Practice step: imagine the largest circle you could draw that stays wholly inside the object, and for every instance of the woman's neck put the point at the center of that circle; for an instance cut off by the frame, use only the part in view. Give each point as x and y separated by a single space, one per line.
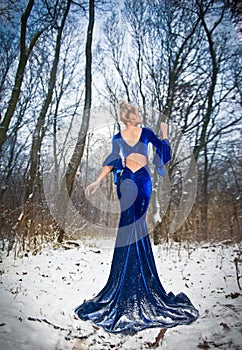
130 126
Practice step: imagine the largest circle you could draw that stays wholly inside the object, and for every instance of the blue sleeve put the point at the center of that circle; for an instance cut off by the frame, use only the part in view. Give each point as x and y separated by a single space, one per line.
114 159
162 154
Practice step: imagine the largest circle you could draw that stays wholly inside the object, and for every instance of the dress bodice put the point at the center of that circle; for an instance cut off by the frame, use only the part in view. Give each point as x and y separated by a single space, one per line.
141 146
161 156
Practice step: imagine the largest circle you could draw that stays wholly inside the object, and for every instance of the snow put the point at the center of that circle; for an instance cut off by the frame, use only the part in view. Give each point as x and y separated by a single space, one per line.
39 293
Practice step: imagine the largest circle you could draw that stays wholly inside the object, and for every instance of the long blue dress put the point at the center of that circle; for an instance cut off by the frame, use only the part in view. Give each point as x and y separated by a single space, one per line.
133 297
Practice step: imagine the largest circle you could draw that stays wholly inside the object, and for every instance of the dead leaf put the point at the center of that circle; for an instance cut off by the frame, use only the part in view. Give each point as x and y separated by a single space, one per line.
204 345
95 327
225 326
233 295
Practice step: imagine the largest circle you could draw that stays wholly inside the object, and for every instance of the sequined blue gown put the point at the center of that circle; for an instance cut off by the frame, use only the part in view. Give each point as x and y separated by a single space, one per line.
133 298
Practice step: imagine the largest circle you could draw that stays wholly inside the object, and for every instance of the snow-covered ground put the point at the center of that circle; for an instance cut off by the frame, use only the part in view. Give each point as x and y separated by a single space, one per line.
38 295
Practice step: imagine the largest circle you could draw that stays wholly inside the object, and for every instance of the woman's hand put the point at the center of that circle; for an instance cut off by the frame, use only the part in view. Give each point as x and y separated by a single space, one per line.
164 130
93 186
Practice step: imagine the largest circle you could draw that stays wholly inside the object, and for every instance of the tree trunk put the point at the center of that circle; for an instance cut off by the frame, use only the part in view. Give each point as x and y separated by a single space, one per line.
24 55
204 197
68 179
201 143
32 176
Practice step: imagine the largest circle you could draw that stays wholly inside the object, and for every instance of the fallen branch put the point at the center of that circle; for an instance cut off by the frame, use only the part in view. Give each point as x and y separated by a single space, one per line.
159 337
69 335
238 276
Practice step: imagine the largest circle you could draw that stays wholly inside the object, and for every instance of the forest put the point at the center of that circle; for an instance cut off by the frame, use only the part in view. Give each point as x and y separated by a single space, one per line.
64 67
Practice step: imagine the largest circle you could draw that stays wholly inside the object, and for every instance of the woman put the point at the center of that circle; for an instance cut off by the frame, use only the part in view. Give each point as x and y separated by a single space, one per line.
133 297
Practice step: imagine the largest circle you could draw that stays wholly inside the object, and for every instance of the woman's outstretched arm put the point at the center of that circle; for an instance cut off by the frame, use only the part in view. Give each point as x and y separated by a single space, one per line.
94 185
164 130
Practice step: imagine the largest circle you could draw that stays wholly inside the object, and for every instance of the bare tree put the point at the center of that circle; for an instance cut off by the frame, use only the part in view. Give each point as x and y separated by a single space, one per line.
25 51
69 177
39 131
180 55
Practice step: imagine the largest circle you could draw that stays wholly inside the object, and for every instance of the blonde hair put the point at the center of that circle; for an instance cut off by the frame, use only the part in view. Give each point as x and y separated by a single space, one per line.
125 110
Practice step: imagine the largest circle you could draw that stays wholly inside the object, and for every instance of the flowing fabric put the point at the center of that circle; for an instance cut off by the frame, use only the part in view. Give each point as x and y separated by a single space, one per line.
133 298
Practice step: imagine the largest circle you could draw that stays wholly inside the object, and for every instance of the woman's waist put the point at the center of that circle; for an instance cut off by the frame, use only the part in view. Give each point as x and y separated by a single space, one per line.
142 172
135 161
